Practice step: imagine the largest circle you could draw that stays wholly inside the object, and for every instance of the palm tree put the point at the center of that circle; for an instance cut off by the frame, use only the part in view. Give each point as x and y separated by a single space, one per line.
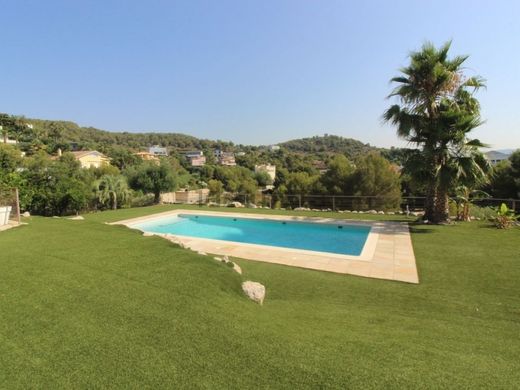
111 190
437 111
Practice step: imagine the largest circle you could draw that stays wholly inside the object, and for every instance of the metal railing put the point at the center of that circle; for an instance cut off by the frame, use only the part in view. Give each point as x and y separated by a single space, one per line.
340 202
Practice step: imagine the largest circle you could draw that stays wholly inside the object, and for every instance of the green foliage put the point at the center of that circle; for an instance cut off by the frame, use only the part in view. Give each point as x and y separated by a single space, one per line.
112 191
263 179
300 183
215 187
338 178
437 112
327 144
10 159
152 178
55 187
505 217
375 176
464 197
122 157
505 180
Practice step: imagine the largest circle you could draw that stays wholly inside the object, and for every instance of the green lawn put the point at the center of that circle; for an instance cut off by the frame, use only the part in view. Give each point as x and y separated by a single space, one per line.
85 304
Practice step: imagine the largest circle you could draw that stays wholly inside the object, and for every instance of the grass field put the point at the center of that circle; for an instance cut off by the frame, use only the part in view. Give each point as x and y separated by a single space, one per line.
85 304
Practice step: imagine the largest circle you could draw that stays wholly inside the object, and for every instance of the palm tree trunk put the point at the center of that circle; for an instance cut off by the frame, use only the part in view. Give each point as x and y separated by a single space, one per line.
441 213
429 203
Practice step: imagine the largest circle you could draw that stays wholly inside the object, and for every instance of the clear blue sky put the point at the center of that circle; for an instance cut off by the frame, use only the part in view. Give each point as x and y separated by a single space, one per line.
255 72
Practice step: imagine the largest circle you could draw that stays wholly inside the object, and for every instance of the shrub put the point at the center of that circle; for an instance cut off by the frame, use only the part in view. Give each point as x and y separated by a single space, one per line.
505 217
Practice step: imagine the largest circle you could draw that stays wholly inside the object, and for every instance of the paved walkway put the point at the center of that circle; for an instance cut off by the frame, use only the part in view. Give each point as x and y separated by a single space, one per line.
10 225
387 254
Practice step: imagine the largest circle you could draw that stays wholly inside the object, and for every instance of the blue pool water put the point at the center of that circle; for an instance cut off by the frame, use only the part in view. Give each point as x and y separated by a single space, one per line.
347 240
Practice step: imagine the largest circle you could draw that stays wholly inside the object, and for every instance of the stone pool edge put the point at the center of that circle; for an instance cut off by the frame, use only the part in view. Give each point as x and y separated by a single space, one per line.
387 254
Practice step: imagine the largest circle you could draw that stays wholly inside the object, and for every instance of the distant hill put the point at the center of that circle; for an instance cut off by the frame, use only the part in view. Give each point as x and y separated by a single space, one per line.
67 134
328 144
90 137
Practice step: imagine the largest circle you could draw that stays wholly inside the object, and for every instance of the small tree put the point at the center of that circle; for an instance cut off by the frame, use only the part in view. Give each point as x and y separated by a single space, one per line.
152 178
375 176
215 188
112 190
337 179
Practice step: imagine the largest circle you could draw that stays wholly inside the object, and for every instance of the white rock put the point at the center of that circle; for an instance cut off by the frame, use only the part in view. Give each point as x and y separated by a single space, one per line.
235 204
26 214
391 213
254 291
252 206
217 258
237 268
147 234
226 258
381 212
77 218
202 253
372 212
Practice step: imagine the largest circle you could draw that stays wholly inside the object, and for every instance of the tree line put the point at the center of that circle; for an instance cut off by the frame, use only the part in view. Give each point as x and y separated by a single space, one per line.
436 111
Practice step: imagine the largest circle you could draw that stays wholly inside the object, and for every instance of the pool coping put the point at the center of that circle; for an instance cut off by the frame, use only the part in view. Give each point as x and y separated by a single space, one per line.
387 253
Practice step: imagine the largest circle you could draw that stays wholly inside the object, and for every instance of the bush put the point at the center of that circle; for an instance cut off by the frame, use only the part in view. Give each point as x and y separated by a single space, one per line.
140 200
505 217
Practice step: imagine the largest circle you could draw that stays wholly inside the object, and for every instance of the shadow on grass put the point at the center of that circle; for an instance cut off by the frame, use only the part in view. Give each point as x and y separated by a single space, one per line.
419 228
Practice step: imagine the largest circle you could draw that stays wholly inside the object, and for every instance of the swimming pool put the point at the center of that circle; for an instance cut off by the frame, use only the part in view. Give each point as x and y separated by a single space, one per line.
336 238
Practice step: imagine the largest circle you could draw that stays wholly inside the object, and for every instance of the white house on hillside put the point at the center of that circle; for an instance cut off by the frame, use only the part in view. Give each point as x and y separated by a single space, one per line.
157 150
267 168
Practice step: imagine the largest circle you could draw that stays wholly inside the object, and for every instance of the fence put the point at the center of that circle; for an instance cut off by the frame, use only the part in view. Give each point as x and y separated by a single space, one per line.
321 202
341 202
9 206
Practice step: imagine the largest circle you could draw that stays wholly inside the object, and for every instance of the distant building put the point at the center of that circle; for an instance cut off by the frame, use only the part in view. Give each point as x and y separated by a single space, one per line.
320 166
147 156
494 157
267 168
273 148
90 158
240 154
158 151
10 141
225 158
196 153
196 158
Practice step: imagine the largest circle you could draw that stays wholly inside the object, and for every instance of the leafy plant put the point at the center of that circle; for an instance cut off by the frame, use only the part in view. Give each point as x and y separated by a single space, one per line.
463 199
505 217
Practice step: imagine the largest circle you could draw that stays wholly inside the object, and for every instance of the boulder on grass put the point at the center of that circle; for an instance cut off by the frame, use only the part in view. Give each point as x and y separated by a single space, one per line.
237 268
26 214
254 291
77 218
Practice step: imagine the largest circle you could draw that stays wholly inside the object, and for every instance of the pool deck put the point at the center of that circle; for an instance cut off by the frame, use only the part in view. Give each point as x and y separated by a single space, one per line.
387 254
